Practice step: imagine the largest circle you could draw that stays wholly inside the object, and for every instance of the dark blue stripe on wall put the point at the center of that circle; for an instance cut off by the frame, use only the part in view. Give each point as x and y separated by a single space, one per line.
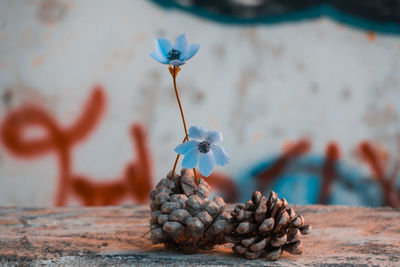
292 16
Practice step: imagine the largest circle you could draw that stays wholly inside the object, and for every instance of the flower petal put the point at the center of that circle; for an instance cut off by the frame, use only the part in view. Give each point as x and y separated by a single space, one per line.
190 51
206 164
197 132
191 159
176 62
220 156
214 136
163 46
159 58
181 43
187 147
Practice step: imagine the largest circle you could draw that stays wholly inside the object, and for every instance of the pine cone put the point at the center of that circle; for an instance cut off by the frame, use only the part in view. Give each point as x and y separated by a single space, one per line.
266 228
182 217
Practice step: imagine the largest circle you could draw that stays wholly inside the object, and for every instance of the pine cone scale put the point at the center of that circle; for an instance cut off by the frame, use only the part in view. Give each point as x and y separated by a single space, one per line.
266 226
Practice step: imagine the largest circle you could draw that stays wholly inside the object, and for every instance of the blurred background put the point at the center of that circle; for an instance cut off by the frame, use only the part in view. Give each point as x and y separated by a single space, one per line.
306 93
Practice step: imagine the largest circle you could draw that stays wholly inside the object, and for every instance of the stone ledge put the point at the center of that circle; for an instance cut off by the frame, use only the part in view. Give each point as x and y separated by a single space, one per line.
119 235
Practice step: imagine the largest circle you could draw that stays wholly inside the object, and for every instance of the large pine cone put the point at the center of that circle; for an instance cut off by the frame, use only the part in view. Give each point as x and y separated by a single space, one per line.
266 227
183 218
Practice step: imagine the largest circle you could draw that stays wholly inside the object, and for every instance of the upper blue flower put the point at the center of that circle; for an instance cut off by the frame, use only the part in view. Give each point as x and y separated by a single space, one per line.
203 149
178 55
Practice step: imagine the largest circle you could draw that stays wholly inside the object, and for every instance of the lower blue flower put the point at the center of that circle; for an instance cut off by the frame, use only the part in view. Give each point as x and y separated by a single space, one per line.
203 149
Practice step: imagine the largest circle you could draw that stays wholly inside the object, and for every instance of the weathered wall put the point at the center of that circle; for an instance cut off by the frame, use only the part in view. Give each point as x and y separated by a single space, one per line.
261 85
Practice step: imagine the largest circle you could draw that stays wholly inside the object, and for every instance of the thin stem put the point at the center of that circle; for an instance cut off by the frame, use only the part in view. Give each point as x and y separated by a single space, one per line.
179 101
174 73
176 160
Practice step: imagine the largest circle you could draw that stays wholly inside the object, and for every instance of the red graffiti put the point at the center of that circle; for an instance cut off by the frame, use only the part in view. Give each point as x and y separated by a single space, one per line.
291 152
332 155
376 158
135 182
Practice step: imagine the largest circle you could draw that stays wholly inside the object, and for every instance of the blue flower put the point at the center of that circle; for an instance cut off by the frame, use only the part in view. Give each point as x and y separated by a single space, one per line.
178 55
203 149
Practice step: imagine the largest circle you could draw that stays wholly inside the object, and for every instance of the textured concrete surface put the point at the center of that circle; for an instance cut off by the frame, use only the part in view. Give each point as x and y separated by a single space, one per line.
118 235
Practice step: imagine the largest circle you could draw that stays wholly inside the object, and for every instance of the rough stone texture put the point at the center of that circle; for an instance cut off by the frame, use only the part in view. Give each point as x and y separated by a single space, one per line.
118 235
